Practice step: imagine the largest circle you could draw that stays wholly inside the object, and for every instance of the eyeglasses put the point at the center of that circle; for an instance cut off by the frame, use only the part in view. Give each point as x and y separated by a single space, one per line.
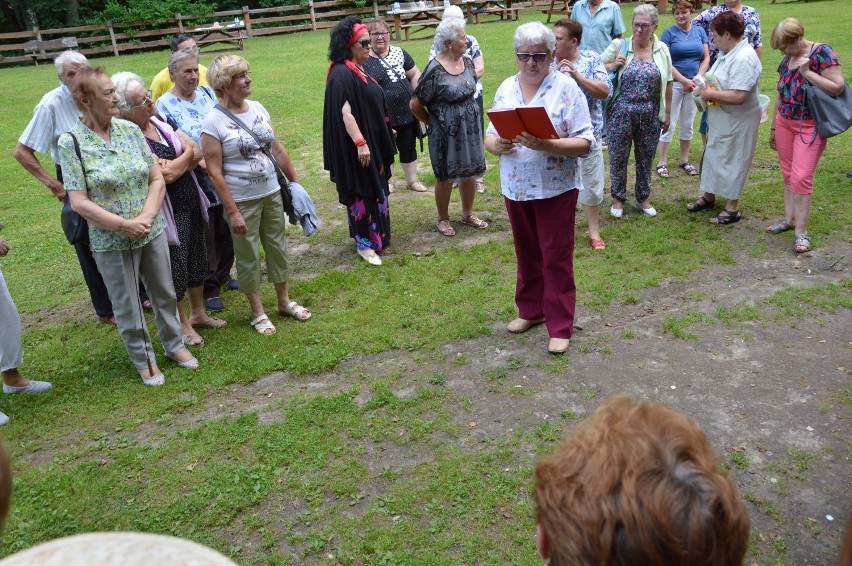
380 34
147 102
537 57
643 26
365 43
243 76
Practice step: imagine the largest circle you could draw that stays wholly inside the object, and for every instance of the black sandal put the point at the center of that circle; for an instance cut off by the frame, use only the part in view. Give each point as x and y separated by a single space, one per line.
700 204
727 217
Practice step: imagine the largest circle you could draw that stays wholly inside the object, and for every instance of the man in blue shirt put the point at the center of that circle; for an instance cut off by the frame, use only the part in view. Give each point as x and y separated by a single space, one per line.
602 22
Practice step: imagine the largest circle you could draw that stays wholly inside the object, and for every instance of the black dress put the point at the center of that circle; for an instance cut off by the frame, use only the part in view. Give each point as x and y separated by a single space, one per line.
456 145
363 190
189 258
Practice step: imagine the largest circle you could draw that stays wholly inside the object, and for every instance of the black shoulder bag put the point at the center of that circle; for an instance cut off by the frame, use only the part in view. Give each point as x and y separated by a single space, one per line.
283 181
75 226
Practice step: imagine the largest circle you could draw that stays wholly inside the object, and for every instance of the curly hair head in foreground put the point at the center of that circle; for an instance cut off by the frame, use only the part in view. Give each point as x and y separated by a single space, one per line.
637 483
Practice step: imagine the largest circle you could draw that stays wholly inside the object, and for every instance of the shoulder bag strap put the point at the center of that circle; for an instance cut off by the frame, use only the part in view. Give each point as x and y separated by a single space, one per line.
80 157
262 147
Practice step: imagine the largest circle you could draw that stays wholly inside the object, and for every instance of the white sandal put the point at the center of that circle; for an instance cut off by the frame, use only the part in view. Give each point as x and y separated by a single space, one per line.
262 324
297 311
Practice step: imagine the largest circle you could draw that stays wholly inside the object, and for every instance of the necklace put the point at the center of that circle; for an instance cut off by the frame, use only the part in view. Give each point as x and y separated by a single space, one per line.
687 33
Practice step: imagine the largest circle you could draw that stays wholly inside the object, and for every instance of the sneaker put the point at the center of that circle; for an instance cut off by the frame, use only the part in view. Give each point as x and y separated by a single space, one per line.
214 304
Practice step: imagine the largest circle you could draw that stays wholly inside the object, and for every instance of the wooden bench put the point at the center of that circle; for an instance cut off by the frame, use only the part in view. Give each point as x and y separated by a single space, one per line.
558 8
50 49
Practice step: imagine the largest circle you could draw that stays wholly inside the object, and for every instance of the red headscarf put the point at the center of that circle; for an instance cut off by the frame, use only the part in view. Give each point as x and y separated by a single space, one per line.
357 29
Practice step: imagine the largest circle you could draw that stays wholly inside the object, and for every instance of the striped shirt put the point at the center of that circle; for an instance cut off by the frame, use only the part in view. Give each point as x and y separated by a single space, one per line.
52 117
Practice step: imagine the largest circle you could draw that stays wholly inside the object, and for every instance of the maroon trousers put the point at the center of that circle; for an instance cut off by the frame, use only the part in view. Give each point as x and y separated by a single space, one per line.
543 231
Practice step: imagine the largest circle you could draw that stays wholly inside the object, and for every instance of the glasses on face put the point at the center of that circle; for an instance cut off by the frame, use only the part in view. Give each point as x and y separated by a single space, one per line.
365 43
537 57
380 34
642 26
147 102
243 76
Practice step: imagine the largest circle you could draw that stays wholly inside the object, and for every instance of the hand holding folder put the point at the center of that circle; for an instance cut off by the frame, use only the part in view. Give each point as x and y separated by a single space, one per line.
511 122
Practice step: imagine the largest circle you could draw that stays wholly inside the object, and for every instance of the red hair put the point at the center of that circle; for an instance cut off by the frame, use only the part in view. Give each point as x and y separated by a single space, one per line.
637 483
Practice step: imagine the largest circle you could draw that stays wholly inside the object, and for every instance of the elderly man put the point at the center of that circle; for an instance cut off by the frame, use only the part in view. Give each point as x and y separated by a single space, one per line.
602 22
52 117
162 82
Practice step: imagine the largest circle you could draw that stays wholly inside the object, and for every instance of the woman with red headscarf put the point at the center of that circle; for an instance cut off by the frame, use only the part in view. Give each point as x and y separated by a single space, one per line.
358 148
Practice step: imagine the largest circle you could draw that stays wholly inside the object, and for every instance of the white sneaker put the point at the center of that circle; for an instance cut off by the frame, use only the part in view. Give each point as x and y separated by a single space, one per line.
649 212
4 419
616 212
370 257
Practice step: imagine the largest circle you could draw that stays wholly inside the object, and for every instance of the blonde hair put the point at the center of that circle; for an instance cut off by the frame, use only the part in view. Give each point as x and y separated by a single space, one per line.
222 71
787 32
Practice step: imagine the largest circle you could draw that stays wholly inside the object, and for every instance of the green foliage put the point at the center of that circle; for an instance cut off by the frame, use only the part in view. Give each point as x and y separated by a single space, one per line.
153 11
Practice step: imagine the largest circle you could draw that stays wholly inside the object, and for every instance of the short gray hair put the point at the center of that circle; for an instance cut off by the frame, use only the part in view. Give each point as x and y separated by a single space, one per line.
179 56
647 10
69 57
452 12
124 83
534 33
447 30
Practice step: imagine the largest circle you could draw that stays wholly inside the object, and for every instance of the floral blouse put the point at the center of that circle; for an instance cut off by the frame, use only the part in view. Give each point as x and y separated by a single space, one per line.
591 66
791 83
750 17
116 177
528 174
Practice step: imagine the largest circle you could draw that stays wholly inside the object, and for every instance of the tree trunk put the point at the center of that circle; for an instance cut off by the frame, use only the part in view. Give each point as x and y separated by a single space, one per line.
73 12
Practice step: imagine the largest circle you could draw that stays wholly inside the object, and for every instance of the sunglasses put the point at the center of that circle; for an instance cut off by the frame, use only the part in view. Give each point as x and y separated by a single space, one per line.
537 57
365 43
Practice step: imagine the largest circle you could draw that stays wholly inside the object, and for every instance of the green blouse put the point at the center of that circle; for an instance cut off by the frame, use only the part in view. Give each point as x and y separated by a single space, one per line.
116 178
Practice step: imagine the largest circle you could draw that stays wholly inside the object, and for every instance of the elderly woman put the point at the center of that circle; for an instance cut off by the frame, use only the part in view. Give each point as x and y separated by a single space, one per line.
360 162
444 98
11 346
246 182
114 182
187 104
751 20
793 132
690 53
733 119
474 53
541 180
640 107
397 74
177 156
587 69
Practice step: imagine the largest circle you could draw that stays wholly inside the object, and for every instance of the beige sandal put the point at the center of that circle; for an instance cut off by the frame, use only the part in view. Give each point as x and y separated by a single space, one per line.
472 220
445 228
417 187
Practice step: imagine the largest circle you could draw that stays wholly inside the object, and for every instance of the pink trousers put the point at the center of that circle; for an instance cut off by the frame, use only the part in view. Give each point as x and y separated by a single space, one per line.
797 153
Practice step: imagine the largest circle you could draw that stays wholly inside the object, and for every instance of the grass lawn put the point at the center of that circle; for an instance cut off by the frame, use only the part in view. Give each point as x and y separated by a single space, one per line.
352 470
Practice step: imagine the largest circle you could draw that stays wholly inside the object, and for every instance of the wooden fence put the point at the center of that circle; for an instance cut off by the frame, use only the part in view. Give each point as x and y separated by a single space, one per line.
115 39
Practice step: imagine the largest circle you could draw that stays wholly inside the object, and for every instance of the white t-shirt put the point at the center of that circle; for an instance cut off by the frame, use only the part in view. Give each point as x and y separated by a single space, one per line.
247 170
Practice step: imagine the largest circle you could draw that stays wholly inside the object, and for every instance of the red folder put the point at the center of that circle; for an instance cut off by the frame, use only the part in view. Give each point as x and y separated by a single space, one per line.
510 122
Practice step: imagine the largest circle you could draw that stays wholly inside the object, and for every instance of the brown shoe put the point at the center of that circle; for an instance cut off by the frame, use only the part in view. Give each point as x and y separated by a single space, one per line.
522 325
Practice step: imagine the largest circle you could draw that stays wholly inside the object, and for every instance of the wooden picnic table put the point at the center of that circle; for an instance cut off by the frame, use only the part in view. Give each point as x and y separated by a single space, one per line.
476 8
417 15
231 34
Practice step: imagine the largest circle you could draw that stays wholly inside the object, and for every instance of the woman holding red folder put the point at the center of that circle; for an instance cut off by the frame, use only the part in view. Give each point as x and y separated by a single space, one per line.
540 181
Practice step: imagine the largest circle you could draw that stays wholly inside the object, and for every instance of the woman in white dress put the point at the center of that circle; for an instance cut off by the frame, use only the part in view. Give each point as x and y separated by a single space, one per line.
733 117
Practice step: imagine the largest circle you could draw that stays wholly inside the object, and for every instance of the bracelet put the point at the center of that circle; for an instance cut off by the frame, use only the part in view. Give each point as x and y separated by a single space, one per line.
360 142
